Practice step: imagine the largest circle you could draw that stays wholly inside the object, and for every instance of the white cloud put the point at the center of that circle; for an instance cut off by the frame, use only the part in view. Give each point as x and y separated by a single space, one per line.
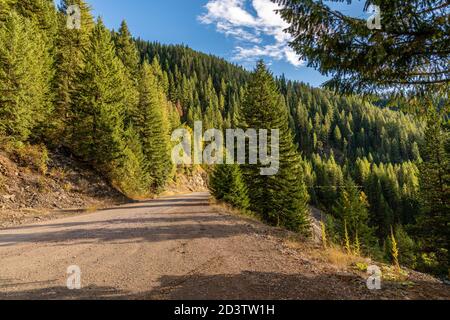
252 31
238 33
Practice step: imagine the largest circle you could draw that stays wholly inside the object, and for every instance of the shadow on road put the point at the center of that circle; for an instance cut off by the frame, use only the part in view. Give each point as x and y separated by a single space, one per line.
132 234
191 218
246 286
170 219
188 227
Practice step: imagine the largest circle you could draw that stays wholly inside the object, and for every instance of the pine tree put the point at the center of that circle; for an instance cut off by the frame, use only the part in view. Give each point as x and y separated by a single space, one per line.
100 103
68 62
362 59
394 250
337 136
5 8
95 97
131 175
127 50
281 199
171 110
406 248
432 227
347 244
42 13
352 210
380 212
154 128
24 77
227 184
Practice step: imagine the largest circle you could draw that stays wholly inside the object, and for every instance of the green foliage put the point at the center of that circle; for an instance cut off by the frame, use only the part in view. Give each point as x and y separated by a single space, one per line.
361 59
357 245
352 211
428 262
5 8
92 88
42 13
405 248
154 128
394 250
69 60
24 78
208 89
361 266
432 228
132 174
127 50
193 81
226 183
280 199
99 103
328 178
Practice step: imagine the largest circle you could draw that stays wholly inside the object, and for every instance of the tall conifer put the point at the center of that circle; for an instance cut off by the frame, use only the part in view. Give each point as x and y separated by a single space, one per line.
68 62
226 183
154 128
24 77
127 52
100 102
281 199
433 225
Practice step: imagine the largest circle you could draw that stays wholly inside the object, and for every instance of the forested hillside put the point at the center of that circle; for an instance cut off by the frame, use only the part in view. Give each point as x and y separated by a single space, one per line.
113 101
351 147
346 142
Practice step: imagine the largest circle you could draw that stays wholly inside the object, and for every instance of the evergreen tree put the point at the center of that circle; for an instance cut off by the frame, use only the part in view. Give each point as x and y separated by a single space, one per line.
433 225
127 53
352 209
42 13
68 62
100 103
407 250
24 77
5 8
363 59
153 125
280 199
226 183
127 50
132 175
173 113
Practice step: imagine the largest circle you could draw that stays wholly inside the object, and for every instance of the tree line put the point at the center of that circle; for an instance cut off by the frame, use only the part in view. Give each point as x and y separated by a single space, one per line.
113 101
86 90
362 152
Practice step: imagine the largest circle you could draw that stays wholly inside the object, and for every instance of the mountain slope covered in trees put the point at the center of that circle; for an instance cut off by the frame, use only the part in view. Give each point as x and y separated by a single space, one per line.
113 101
345 141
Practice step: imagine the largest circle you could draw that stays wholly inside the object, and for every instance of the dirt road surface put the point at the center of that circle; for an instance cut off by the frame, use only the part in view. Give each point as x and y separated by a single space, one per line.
172 248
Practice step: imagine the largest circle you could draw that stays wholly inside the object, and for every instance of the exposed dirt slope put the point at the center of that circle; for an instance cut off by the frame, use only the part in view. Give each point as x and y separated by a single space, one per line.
179 248
27 194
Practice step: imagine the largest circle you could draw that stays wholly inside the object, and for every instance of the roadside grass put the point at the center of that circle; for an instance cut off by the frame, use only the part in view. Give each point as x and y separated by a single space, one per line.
91 209
332 255
224 207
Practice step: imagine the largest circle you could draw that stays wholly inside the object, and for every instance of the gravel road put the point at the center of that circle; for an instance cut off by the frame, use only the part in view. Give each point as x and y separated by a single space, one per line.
172 248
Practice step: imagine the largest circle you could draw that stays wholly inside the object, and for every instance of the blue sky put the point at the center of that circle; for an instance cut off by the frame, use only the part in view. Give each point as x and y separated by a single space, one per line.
241 31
